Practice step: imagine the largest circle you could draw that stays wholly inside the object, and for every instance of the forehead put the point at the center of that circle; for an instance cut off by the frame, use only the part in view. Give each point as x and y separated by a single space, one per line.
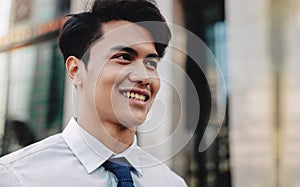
123 33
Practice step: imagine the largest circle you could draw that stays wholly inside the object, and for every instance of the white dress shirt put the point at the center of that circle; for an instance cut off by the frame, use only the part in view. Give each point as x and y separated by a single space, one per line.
74 158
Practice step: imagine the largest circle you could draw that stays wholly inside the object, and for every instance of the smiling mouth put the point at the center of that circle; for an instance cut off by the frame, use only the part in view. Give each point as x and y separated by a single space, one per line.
135 96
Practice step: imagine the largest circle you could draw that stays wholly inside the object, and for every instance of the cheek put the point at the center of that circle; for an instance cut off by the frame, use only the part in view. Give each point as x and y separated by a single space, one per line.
104 90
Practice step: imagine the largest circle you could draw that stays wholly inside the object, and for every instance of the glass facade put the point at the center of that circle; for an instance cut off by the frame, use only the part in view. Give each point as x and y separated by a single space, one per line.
34 91
210 168
32 75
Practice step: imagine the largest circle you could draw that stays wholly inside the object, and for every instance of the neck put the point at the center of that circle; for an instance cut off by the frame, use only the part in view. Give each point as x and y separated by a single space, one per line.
116 137
113 135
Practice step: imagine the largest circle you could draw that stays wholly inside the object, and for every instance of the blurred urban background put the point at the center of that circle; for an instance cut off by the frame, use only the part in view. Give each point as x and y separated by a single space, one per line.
256 44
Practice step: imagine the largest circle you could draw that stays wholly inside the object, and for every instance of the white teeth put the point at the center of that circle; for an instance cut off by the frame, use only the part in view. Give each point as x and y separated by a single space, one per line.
137 96
132 95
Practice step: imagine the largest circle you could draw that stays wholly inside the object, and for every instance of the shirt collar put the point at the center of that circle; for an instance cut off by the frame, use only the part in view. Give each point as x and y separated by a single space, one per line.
92 153
132 155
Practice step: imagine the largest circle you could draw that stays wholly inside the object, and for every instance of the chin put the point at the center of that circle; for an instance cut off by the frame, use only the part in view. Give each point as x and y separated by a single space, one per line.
133 123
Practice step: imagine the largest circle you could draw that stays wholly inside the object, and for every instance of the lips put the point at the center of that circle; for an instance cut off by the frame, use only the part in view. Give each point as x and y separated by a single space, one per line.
136 94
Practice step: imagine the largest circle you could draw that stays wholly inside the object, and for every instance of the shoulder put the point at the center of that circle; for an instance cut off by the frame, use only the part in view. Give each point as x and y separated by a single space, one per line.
155 168
13 163
33 150
170 176
8 178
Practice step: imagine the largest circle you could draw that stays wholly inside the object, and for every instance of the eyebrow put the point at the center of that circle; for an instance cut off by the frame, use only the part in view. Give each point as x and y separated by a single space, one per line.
133 51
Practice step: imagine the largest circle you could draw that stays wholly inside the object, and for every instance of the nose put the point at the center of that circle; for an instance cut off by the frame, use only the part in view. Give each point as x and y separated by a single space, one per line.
139 73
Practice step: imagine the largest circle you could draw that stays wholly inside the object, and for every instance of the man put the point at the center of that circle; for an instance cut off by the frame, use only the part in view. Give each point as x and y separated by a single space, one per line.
111 55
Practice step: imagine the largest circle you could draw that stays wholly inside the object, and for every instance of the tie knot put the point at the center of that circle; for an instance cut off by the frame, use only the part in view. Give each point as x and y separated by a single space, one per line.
121 169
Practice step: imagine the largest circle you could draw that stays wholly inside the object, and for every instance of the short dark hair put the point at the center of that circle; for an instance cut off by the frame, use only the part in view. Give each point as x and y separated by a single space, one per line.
83 29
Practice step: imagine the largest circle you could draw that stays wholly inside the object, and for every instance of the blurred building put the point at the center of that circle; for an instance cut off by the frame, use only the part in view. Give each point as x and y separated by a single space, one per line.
32 73
256 45
263 61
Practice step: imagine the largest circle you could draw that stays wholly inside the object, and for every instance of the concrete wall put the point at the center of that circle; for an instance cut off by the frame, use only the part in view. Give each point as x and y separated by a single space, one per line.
251 91
263 43
289 153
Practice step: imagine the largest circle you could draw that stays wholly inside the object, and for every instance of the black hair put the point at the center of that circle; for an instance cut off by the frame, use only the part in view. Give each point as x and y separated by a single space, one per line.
81 30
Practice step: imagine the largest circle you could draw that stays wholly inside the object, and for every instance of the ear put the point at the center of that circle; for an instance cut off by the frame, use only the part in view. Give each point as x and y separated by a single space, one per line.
73 67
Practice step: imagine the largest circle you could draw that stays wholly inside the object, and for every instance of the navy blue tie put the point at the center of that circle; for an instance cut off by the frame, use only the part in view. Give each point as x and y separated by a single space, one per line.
121 169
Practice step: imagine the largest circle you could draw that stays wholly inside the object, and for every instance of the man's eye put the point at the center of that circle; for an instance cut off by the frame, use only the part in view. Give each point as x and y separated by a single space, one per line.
126 57
151 63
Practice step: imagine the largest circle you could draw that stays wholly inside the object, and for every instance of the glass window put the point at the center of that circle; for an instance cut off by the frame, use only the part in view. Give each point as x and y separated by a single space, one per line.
35 95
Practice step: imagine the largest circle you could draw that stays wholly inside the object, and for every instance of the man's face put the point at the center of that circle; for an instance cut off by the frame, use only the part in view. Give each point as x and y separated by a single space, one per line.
121 80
